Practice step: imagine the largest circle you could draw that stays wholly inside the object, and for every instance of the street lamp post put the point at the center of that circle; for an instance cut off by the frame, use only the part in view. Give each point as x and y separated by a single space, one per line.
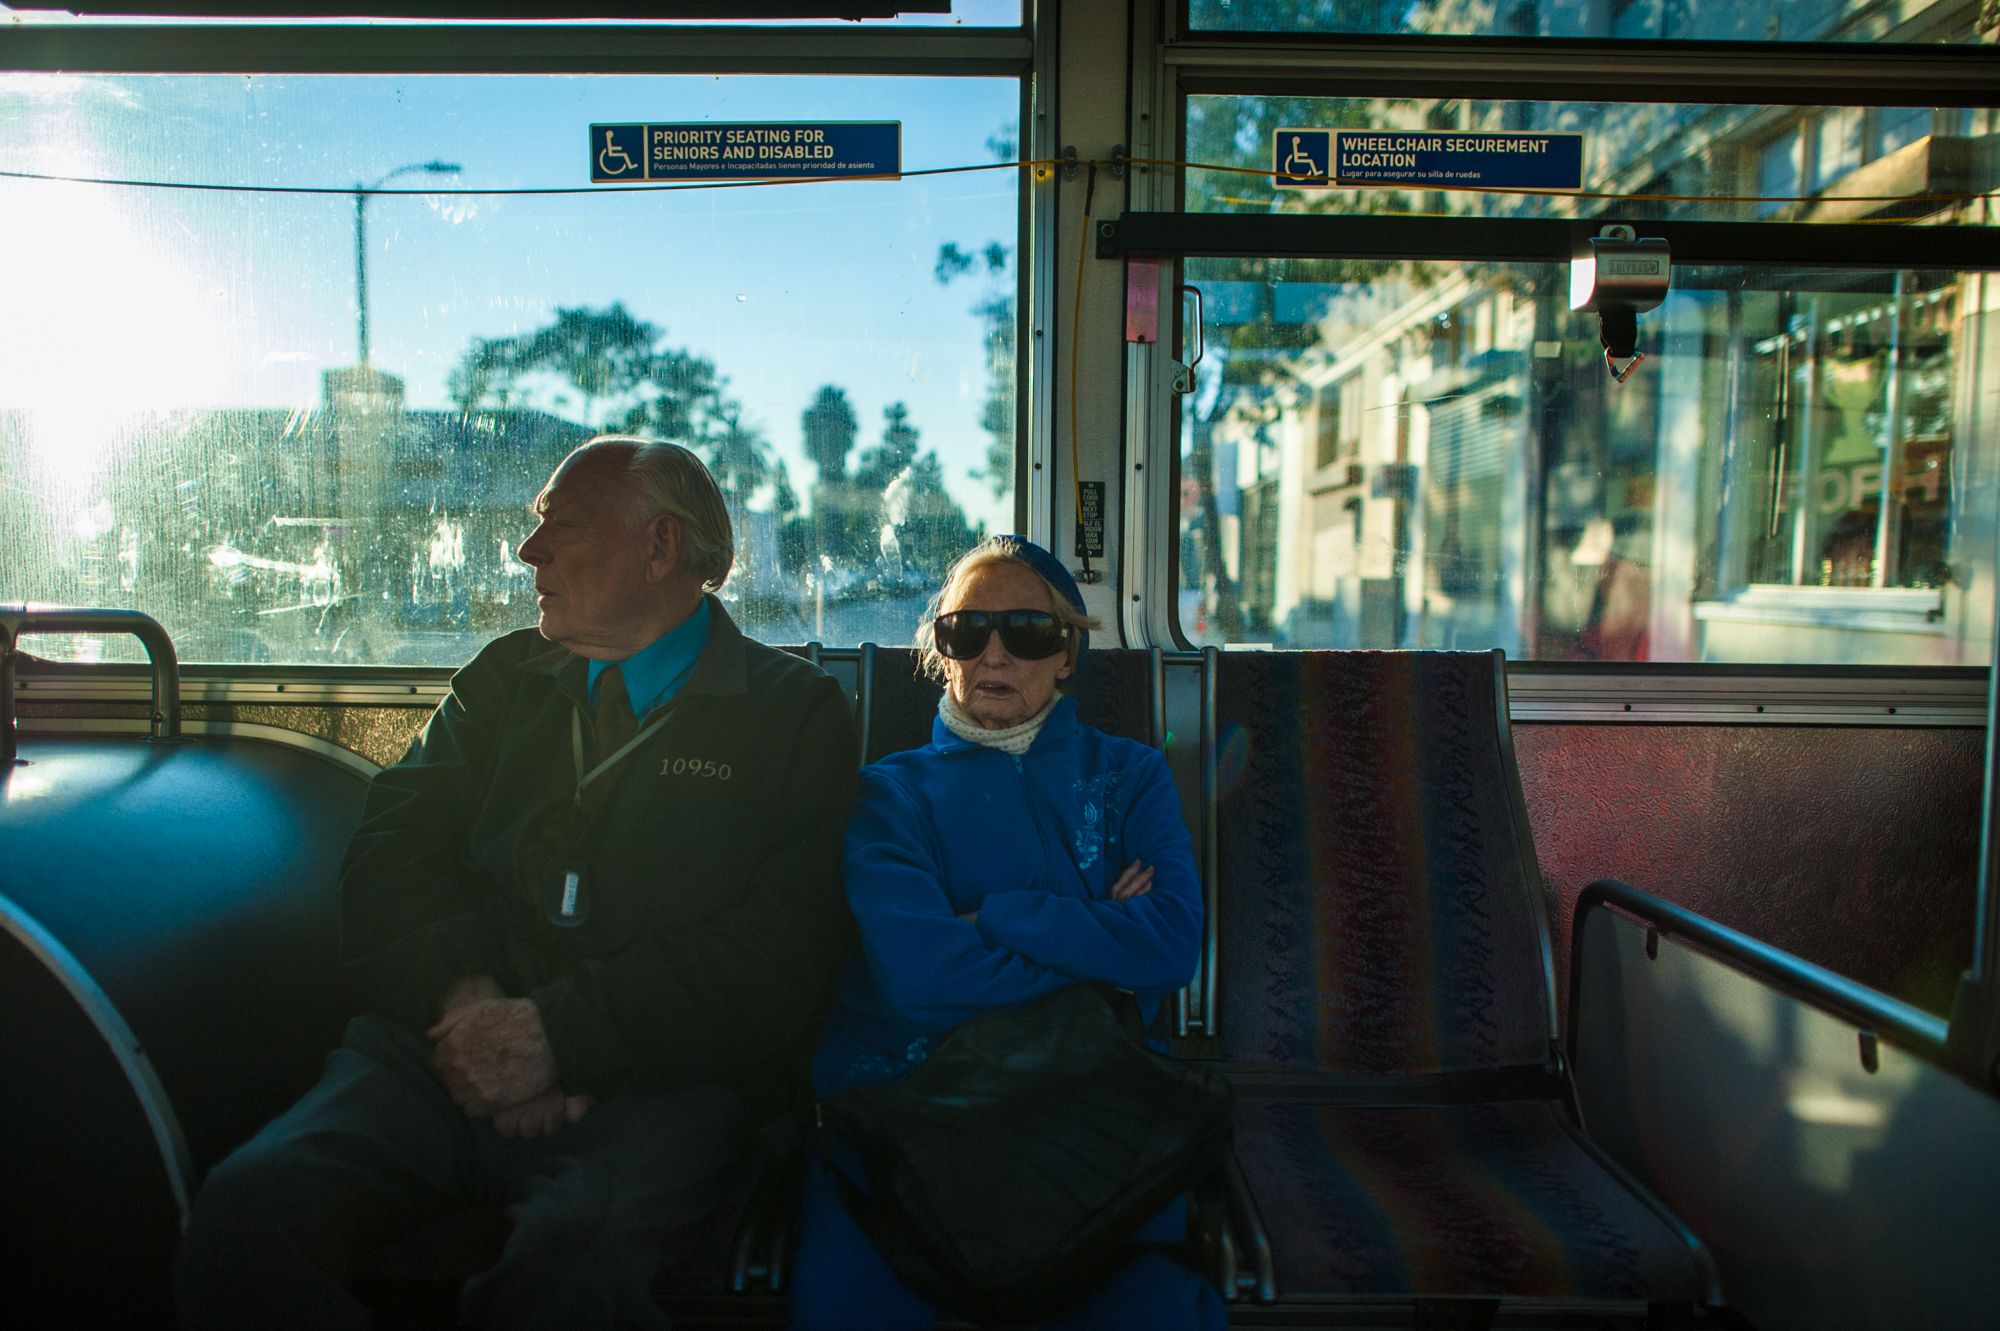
361 193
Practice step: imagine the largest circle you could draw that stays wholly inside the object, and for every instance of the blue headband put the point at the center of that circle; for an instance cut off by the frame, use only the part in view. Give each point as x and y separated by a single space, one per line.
1057 576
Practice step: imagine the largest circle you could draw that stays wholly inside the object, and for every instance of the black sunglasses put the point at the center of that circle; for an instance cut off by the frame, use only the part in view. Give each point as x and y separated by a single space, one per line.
1029 635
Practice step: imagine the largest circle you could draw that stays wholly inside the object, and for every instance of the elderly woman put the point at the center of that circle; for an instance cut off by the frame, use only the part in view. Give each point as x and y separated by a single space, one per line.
1017 853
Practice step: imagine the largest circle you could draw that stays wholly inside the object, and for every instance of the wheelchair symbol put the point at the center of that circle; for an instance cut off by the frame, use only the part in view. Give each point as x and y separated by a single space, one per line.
1299 162
614 152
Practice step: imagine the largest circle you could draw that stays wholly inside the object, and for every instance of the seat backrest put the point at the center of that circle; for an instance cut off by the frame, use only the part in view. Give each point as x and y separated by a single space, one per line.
902 702
100 1197
1112 692
1381 910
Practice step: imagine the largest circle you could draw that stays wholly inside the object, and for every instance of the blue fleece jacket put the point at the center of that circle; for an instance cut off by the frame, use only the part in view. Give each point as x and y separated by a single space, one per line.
1033 844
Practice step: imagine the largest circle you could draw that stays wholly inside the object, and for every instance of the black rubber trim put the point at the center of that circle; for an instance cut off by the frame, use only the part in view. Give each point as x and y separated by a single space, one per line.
1789 245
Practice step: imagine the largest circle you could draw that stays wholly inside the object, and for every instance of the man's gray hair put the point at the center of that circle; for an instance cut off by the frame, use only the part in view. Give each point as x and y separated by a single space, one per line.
668 478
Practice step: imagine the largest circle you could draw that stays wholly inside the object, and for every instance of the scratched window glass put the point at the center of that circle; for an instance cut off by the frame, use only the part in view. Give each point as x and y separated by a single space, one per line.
1417 455
306 427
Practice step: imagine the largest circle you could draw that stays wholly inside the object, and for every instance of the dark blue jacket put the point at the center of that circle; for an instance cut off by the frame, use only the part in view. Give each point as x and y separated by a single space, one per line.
1033 844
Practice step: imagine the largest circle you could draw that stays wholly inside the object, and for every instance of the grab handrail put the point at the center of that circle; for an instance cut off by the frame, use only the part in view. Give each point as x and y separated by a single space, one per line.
19 620
1912 1029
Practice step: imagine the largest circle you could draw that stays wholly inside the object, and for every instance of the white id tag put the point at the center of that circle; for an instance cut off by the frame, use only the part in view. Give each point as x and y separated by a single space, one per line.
566 894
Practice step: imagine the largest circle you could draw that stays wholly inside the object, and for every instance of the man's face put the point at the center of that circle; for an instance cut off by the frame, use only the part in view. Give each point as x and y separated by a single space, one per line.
590 558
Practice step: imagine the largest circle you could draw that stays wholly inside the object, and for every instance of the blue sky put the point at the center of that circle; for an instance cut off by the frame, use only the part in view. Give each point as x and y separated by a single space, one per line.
131 300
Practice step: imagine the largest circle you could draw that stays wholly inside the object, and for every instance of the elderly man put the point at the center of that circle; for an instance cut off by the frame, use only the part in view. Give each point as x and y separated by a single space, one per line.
591 914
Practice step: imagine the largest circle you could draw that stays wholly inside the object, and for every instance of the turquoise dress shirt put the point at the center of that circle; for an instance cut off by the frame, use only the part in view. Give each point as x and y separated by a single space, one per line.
657 671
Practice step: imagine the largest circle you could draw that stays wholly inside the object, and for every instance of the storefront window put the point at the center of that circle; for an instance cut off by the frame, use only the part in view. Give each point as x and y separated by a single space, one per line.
199 420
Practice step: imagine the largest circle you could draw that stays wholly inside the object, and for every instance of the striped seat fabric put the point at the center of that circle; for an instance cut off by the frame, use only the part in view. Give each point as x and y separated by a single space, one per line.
1380 903
1385 969
1464 1201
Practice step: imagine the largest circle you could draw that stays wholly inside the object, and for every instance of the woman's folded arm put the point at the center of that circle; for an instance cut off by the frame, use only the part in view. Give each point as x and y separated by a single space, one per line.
1148 943
935 968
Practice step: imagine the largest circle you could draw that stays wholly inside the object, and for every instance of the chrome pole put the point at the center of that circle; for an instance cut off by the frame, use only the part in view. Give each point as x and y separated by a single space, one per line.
1972 1044
1210 851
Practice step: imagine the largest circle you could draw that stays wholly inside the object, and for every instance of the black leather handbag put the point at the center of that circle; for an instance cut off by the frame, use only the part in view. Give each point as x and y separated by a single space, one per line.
1008 1173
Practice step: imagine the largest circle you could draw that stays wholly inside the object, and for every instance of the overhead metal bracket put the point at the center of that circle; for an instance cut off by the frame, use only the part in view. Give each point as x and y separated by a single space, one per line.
1109 242
1118 161
1069 162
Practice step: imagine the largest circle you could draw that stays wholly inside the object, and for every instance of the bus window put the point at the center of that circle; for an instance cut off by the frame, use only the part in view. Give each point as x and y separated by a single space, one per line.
1782 481
202 418
1418 453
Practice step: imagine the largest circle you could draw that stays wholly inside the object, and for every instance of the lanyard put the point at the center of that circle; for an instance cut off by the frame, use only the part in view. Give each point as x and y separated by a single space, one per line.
576 747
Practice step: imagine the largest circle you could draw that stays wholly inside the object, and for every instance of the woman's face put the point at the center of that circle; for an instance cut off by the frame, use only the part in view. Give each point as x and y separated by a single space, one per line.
995 688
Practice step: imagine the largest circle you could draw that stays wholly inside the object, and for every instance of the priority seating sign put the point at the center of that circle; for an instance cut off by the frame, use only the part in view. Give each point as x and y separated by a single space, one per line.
748 150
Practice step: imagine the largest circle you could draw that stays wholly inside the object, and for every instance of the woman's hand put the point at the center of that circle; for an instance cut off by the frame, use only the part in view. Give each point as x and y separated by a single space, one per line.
1136 881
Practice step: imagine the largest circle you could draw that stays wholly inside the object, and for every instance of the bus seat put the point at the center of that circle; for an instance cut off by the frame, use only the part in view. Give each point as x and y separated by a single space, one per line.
96 1180
1491 1199
900 702
1117 690
1388 1005
1111 689
195 880
171 981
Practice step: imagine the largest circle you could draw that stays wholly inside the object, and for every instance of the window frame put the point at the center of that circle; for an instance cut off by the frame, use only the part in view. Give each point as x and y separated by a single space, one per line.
1917 32
1521 68
509 48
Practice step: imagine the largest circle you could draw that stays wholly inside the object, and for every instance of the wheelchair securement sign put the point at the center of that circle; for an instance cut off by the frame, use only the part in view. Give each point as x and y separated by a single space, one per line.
617 152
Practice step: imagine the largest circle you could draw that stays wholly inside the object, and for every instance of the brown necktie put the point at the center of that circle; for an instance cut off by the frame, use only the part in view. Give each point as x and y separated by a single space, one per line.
612 724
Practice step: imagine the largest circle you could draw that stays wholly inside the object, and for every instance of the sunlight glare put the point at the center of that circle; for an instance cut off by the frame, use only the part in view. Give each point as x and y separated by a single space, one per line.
121 329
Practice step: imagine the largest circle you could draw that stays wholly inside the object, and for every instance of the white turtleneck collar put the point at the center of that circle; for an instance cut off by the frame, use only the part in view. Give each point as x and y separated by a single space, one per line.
1014 740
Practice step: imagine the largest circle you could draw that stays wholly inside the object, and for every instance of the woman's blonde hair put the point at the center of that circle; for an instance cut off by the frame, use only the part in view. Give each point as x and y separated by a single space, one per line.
994 550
